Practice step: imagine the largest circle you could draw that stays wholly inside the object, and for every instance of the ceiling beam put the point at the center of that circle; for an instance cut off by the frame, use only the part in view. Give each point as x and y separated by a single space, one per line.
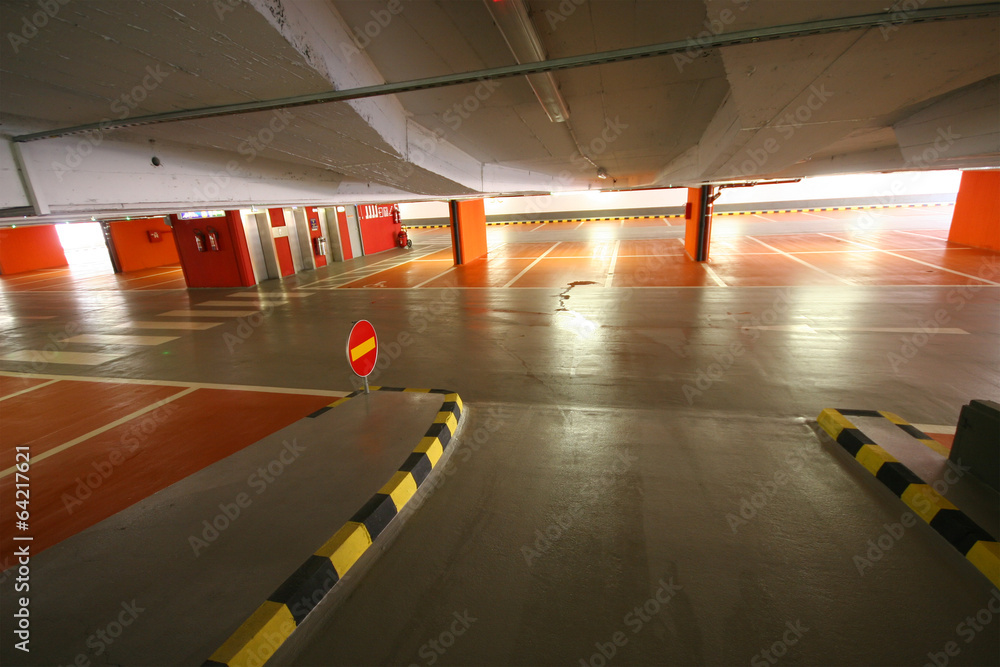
923 15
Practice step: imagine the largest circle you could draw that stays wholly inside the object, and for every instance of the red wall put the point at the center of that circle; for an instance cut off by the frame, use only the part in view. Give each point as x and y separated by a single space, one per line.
471 225
228 267
378 230
282 246
313 214
30 248
136 251
976 220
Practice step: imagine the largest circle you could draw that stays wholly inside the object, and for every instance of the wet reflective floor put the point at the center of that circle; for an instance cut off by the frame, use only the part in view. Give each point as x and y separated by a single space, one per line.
636 481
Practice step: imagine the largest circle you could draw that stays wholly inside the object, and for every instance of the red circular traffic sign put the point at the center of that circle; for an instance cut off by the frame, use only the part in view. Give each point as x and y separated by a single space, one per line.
362 348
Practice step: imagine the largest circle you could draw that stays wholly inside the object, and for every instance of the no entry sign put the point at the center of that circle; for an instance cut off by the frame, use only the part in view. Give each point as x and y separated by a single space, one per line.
362 348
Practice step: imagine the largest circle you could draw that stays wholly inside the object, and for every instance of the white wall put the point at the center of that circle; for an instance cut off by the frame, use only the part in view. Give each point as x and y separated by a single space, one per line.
852 185
886 187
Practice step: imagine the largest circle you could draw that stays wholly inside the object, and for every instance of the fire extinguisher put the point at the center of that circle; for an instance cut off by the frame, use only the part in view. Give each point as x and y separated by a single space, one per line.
199 240
213 239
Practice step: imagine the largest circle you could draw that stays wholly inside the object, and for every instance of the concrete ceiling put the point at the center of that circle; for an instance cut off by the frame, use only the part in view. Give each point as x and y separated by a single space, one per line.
858 100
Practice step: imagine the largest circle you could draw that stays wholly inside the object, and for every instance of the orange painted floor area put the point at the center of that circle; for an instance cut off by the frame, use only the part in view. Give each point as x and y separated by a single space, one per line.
837 258
99 447
66 280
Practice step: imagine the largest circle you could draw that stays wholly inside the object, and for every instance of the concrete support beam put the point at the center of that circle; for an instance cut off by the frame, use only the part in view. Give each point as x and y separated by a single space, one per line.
698 223
468 230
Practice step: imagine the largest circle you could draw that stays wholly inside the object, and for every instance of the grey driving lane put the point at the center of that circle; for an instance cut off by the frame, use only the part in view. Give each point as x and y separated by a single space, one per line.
589 439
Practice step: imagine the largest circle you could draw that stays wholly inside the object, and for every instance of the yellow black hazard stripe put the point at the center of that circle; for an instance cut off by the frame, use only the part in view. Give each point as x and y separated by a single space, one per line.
286 608
681 215
971 540
834 208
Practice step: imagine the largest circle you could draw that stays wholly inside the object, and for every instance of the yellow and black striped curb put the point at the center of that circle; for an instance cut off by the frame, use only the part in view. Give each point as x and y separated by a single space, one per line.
972 541
273 622
681 215
545 222
833 208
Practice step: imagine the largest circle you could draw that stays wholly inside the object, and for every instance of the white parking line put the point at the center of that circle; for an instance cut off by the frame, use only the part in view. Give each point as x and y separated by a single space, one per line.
207 313
107 427
120 339
528 267
242 304
614 261
25 391
60 357
803 262
192 326
713 275
911 259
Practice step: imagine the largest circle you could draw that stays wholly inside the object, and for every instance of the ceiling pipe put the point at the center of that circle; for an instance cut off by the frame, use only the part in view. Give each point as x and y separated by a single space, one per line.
753 36
511 17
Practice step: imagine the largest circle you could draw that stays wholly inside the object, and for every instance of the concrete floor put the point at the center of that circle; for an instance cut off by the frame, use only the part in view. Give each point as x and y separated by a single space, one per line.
613 437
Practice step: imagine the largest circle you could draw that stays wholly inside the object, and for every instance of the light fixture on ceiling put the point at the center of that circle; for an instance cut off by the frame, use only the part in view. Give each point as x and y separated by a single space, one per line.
602 173
511 17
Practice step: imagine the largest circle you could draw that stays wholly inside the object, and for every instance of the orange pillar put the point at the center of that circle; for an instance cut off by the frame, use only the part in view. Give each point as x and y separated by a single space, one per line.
976 220
698 223
468 230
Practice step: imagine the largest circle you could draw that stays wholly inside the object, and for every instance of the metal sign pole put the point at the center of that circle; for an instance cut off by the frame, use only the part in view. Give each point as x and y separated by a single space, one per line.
366 384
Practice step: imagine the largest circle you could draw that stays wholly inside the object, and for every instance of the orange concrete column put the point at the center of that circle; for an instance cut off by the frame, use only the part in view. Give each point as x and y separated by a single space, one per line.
698 223
976 220
468 230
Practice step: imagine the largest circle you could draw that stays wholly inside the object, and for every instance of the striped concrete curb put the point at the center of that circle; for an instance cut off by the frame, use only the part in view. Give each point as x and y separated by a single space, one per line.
256 640
541 222
679 215
834 208
971 540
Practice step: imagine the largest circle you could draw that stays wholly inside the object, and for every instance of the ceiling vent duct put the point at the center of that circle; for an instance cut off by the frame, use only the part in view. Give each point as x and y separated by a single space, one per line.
511 17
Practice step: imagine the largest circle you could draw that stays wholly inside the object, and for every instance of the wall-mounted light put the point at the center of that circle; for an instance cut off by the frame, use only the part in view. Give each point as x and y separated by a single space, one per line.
602 173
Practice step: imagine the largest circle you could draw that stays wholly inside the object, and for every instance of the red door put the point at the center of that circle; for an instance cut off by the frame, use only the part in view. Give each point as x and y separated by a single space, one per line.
282 247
